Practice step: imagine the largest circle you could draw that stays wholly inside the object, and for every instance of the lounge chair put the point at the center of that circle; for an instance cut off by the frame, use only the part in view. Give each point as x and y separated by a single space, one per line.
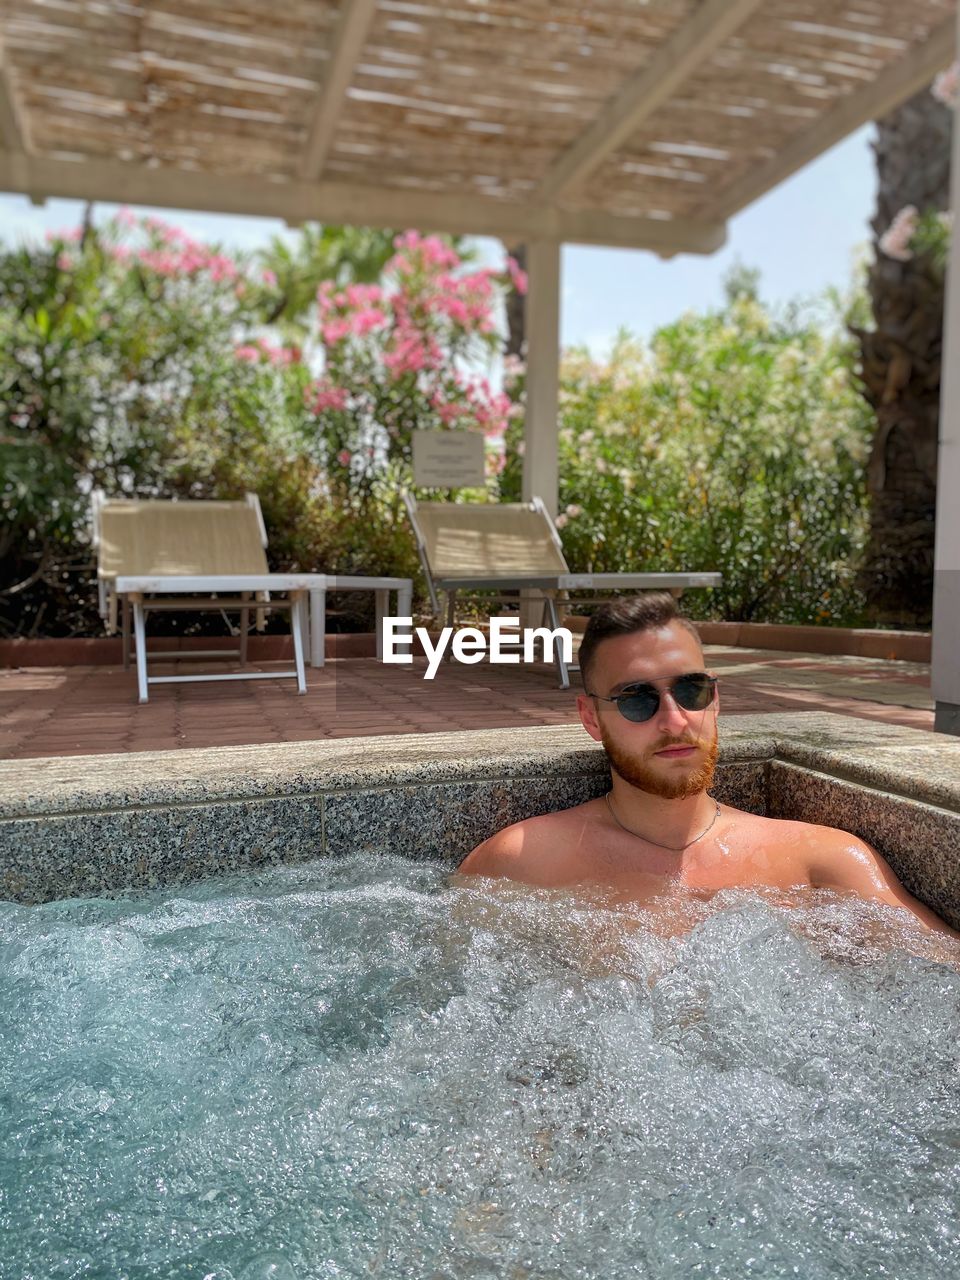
193 555
515 546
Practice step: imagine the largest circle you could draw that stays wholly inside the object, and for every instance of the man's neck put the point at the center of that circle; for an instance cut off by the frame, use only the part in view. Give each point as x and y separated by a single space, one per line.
666 822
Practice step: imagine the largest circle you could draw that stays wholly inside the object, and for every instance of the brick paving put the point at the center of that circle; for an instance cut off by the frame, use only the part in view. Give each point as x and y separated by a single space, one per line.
56 711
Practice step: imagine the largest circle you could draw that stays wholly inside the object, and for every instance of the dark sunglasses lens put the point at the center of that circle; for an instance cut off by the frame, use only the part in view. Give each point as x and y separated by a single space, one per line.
639 704
693 693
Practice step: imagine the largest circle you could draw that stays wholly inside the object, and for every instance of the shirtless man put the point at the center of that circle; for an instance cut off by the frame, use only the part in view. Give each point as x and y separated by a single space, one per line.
651 703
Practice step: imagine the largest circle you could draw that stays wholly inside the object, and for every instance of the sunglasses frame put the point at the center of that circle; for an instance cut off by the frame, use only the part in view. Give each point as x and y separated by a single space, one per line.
631 690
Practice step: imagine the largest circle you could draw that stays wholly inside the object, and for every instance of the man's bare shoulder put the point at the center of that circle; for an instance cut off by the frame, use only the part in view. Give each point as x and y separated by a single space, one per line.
830 856
809 841
838 859
533 849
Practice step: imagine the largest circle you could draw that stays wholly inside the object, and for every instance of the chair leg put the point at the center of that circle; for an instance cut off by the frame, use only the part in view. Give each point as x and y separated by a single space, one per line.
125 631
550 616
382 608
140 636
451 616
405 610
298 625
244 628
318 625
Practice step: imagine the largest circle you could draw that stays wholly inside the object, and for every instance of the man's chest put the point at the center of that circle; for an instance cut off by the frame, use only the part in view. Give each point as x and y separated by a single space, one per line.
638 874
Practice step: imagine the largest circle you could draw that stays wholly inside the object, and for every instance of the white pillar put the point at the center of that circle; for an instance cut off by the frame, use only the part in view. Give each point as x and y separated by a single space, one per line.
945 674
540 469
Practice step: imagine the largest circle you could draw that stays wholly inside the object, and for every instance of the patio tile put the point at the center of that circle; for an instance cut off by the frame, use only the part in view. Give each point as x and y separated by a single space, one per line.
91 710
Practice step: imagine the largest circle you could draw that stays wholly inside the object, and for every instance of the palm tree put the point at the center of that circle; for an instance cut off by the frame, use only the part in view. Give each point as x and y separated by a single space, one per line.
346 255
516 316
900 357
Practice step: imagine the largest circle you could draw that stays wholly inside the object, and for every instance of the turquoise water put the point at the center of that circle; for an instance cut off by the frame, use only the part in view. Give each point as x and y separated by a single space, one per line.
352 1070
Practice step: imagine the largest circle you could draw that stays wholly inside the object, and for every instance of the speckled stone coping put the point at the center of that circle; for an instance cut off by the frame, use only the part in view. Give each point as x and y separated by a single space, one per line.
91 825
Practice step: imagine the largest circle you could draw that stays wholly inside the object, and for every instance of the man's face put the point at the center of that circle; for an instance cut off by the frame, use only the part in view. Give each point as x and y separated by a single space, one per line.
673 754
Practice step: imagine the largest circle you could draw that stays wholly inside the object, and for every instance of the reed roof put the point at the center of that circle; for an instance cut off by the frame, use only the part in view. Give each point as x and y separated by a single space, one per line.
613 121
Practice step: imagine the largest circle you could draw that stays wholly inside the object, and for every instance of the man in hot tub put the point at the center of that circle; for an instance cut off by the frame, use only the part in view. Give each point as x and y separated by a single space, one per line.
654 707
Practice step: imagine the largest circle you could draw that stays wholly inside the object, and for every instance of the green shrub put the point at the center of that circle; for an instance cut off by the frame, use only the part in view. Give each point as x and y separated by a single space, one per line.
737 443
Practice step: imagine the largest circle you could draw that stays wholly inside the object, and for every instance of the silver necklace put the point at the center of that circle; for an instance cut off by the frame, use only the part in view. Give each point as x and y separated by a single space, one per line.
672 848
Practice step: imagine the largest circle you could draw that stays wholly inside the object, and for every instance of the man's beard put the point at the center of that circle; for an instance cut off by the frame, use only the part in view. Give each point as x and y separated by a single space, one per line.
635 770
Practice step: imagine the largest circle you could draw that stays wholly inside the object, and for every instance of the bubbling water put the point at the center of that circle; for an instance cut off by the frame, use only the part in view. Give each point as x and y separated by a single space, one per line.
353 1069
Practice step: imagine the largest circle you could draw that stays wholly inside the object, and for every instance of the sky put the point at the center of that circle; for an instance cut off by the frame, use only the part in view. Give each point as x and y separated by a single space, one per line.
803 236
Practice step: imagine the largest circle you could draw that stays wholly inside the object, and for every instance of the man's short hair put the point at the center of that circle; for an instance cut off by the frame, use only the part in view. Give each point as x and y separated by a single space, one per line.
625 617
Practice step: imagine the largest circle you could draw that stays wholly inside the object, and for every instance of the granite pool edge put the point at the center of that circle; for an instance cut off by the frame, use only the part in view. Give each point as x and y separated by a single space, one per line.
74 784
172 818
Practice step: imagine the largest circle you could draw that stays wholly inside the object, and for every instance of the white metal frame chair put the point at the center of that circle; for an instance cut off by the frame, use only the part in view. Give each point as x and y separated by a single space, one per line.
515 546
168 555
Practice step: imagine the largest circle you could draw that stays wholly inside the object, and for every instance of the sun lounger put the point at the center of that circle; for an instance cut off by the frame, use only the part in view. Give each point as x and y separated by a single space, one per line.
157 555
515 546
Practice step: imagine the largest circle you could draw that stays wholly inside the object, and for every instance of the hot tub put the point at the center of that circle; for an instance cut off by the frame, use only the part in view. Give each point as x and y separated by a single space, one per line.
224 1056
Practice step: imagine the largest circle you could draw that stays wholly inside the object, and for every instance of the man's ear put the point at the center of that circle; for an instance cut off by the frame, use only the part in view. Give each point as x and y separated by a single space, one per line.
588 716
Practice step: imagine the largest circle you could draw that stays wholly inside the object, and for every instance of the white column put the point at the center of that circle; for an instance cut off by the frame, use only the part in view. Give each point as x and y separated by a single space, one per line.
945 674
540 470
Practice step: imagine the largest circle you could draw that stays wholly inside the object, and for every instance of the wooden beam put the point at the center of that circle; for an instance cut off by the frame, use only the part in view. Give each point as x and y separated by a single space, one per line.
13 133
348 41
349 204
540 462
673 63
899 81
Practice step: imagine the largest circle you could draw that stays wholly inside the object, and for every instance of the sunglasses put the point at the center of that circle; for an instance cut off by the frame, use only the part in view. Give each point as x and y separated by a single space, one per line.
640 702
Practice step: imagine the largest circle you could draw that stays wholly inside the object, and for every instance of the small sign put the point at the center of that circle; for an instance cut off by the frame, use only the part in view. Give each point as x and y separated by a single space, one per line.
448 459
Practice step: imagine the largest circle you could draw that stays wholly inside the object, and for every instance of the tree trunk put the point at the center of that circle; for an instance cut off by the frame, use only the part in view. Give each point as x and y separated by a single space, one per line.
901 367
516 331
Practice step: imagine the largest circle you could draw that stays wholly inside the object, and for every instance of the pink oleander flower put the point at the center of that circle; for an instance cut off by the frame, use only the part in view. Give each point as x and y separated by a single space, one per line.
496 459
126 217
365 321
69 235
561 520
164 264
221 267
269 278
334 331
479 283
431 249
247 352
946 87
895 241
344 457
176 236
450 412
411 353
363 295
65 262
453 308
517 275
324 395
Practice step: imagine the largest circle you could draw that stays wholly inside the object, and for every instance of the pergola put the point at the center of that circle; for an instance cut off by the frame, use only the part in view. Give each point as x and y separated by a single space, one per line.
634 123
